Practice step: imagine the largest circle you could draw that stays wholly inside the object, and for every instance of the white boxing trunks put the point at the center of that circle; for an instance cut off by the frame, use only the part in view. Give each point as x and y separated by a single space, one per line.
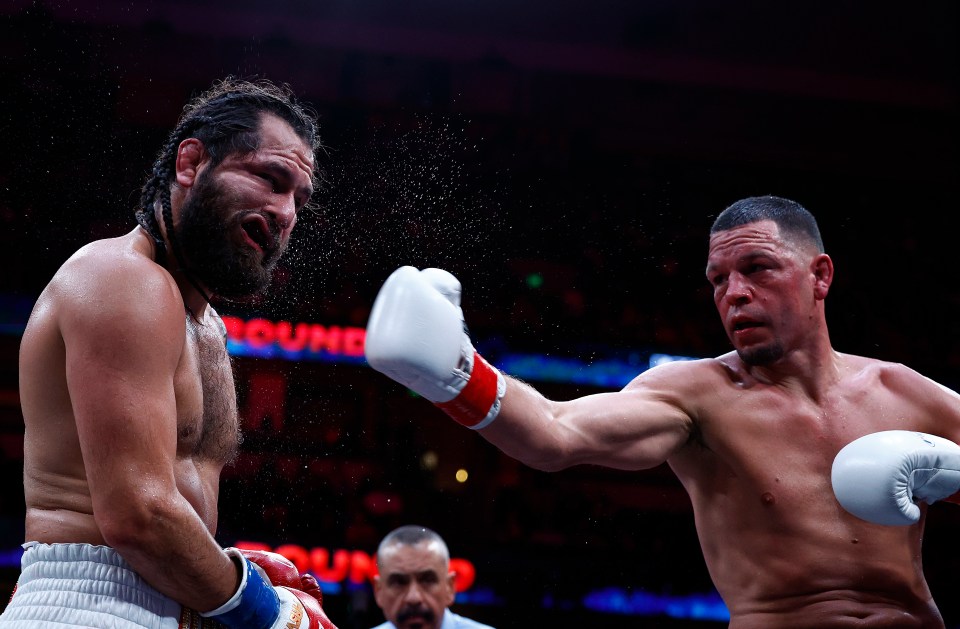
73 586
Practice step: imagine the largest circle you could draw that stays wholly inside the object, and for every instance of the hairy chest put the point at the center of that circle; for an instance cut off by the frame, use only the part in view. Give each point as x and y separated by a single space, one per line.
207 421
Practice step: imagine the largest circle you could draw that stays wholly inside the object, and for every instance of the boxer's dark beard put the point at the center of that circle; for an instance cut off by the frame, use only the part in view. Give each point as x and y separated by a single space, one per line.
207 233
762 356
416 612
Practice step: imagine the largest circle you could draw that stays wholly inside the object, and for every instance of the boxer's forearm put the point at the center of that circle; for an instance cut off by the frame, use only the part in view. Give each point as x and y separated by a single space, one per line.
169 545
527 430
418 337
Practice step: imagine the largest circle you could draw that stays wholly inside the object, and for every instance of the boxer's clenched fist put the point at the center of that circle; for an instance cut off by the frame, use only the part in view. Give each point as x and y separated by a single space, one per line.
271 595
417 336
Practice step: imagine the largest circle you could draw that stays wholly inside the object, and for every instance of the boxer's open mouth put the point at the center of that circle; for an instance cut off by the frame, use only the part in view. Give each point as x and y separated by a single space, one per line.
258 232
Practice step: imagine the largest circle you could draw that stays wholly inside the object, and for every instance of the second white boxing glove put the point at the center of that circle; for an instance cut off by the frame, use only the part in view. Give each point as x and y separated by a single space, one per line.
880 477
416 335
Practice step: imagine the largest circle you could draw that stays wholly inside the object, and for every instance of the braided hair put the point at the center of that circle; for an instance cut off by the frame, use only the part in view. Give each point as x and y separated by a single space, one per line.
226 120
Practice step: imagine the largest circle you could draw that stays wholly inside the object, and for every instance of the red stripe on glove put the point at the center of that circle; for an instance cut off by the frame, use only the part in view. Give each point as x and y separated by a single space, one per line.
477 398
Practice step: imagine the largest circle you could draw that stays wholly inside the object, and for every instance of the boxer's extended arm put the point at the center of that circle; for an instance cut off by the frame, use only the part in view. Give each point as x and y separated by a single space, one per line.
416 335
636 428
123 332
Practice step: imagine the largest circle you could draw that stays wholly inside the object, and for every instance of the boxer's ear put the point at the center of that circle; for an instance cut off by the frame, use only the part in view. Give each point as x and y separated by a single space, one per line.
191 154
823 275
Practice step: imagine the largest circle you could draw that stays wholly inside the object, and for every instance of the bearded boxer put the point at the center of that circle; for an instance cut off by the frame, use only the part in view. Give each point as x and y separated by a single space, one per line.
753 435
127 392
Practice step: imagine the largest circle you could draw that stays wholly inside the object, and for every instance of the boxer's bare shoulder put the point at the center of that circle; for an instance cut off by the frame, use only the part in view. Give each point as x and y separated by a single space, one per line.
699 388
107 348
99 278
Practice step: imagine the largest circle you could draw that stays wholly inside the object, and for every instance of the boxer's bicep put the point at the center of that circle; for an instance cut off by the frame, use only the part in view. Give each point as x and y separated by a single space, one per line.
122 350
649 420
631 429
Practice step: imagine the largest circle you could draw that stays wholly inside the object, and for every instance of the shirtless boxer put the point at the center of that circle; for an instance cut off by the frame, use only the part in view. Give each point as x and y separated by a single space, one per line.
752 434
127 391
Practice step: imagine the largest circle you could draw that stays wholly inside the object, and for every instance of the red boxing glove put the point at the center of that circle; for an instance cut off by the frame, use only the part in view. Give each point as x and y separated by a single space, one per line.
318 619
309 585
278 569
282 573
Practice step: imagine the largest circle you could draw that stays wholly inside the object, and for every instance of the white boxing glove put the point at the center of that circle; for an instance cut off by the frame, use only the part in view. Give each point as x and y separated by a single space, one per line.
882 476
417 336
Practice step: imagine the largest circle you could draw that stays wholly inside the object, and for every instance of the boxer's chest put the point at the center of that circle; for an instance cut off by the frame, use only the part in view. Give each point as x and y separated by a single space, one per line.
779 447
206 396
